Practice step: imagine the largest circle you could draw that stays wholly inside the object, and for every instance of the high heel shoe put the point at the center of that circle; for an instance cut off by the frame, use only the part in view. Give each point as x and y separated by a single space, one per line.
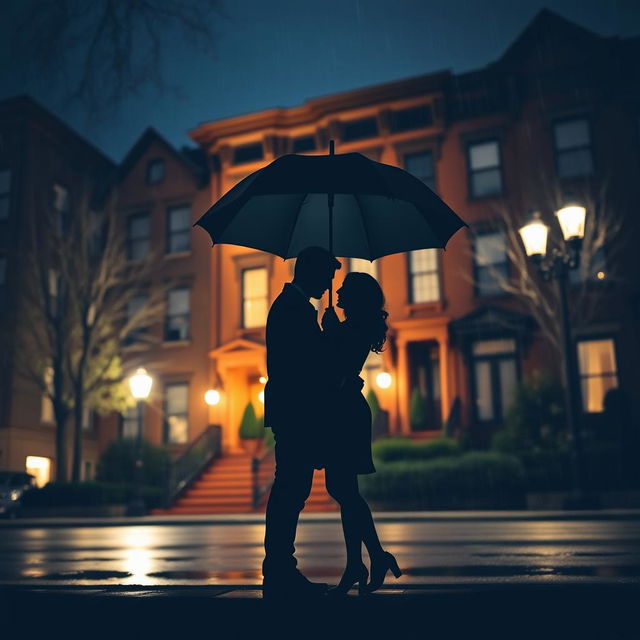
351 575
379 567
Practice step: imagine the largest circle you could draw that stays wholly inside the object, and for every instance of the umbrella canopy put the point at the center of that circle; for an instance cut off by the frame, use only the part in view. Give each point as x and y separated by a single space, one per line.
377 209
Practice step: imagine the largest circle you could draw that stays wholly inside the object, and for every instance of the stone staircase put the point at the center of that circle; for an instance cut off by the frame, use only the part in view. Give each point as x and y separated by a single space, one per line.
225 487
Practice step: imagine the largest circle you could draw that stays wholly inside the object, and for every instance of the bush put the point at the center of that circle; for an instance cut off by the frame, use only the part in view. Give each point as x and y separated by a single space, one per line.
396 449
116 465
250 426
535 420
417 410
85 494
478 480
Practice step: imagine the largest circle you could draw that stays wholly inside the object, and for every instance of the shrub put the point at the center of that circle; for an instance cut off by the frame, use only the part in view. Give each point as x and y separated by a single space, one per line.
417 410
473 480
250 426
117 463
396 449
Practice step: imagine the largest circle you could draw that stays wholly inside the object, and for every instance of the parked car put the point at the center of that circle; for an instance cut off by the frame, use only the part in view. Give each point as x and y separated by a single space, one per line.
13 485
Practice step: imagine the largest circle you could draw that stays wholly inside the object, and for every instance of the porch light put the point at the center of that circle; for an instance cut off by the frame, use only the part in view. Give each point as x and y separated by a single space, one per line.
212 397
571 218
261 397
534 236
263 380
383 380
140 384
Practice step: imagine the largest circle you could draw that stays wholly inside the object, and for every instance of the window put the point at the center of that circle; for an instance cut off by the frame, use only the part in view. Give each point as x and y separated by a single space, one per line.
248 153
138 235
359 129
420 165
40 468
593 269
87 471
255 303
572 140
5 193
412 118
598 372
304 143
177 322
495 376
490 263
363 266
87 419
54 281
424 284
134 306
155 171
178 229
485 178
46 406
176 411
61 207
129 423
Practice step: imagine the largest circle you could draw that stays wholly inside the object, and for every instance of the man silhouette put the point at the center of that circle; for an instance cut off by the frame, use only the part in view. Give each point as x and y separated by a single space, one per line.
295 407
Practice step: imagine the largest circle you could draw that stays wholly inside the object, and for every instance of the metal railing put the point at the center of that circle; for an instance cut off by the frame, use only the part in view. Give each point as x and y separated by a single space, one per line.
198 455
262 474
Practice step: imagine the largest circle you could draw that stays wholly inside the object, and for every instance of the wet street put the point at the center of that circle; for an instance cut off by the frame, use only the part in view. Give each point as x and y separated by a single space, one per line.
432 551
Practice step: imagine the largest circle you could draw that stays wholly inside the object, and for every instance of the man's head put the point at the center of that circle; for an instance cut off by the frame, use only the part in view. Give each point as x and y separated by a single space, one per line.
314 270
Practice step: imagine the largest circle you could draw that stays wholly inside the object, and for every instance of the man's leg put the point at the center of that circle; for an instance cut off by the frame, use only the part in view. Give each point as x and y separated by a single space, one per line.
291 487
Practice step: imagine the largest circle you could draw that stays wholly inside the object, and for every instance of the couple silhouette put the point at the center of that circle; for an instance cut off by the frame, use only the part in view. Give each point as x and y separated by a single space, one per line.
313 402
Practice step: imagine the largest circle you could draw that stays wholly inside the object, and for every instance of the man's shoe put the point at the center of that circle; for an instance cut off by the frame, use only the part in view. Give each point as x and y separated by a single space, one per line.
291 584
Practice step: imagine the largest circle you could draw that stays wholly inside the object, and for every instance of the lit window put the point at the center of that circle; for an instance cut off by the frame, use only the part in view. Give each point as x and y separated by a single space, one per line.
420 165
129 423
155 171
178 229
490 263
598 372
424 284
138 235
177 323
40 468
5 193
255 303
363 266
573 148
484 169
46 407
176 413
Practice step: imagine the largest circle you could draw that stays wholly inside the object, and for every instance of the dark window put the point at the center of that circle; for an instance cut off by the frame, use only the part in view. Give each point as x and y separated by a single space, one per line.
358 129
138 235
155 171
489 262
420 165
413 118
176 412
178 229
495 375
485 177
247 153
304 143
177 320
129 423
134 307
424 282
61 208
572 140
5 192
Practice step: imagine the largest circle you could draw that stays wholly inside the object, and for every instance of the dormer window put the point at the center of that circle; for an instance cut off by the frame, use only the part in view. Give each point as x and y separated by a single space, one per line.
155 171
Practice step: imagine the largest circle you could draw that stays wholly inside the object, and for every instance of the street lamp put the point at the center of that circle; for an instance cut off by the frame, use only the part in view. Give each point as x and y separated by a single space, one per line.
140 385
571 218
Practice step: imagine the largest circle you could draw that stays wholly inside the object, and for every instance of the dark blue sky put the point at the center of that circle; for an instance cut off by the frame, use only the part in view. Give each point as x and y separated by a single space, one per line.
282 52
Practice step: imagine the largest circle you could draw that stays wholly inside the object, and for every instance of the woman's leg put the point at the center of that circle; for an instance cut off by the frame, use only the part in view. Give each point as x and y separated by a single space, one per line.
357 521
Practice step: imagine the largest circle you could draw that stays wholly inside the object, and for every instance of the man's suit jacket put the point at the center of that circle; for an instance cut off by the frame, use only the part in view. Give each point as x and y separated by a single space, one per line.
295 396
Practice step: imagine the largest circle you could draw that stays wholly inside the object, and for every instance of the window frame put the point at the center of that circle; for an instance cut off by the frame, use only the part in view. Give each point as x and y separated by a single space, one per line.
487 230
595 338
410 276
130 240
165 411
242 296
470 172
169 234
168 315
157 161
426 151
556 152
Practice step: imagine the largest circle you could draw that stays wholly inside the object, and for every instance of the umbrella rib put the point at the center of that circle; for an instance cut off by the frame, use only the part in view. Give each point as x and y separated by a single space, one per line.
363 220
295 222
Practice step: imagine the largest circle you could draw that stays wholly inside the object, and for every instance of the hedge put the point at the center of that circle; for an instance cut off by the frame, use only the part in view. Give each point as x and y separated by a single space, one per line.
396 449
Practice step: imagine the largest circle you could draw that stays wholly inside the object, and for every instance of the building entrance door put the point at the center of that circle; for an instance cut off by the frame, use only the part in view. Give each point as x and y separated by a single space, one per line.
424 376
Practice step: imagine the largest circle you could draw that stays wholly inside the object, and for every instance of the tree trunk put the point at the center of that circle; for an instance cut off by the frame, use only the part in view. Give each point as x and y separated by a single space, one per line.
77 439
61 444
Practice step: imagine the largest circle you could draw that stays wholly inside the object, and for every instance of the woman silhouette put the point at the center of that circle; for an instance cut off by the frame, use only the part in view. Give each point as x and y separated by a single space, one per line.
348 450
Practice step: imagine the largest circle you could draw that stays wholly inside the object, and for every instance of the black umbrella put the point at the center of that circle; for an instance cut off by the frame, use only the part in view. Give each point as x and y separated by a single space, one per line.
352 206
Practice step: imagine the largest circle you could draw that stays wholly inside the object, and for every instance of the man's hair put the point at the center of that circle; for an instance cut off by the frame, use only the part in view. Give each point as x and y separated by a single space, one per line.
314 260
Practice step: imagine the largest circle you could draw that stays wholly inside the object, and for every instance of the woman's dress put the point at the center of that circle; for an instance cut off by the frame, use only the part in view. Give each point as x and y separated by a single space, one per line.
349 434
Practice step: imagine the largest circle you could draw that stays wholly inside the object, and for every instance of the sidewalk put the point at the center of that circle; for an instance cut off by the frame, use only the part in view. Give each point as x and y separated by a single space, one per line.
423 611
380 516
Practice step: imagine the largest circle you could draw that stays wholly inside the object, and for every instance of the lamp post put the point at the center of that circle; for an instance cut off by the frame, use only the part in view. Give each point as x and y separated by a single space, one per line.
571 218
140 385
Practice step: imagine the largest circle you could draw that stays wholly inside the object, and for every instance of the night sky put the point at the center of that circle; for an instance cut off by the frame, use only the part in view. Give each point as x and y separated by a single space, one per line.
282 52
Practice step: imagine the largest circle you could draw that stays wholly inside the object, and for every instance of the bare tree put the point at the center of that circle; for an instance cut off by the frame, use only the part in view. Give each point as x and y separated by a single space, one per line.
76 315
101 51
544 194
